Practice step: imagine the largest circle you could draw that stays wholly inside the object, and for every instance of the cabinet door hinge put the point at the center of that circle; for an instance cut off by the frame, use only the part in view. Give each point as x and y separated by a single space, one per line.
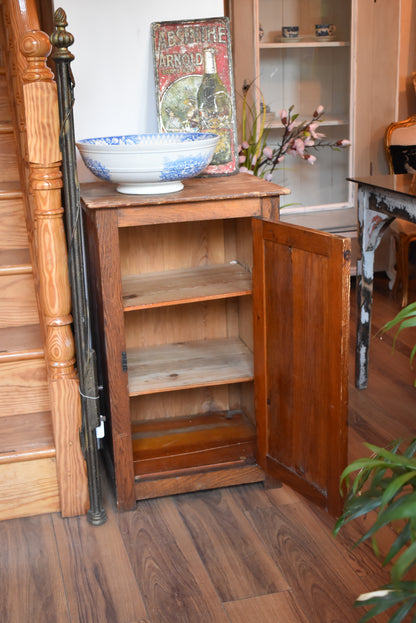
124 361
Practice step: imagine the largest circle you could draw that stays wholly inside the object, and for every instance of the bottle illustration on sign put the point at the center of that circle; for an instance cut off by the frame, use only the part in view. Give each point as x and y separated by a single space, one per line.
214 104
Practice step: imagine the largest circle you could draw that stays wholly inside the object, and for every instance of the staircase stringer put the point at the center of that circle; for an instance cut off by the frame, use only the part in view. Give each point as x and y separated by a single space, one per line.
37 120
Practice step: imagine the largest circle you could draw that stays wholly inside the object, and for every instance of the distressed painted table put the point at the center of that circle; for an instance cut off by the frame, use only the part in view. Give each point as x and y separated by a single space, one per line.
381 198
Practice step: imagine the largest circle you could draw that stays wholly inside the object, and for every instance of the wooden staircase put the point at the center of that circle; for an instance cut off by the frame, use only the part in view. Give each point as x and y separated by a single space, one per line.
41 466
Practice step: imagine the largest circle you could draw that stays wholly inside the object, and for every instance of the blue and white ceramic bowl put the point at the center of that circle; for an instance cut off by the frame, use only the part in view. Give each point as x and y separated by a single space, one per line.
148 163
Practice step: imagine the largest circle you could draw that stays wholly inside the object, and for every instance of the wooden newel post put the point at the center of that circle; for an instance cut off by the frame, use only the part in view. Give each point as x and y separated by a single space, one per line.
46 184
45 178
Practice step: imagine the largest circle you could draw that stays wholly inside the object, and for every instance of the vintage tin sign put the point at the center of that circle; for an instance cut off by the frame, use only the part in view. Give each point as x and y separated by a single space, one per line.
195 84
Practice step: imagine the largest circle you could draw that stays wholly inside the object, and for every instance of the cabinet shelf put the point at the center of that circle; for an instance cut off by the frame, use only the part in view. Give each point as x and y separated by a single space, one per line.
185 365
329 120
175 287
194 441
306 42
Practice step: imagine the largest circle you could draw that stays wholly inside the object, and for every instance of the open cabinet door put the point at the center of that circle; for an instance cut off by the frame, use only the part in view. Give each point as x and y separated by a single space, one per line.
301 329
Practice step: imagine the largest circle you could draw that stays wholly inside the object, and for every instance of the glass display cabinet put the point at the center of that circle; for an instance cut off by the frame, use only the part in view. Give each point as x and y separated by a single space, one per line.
308 71
305 71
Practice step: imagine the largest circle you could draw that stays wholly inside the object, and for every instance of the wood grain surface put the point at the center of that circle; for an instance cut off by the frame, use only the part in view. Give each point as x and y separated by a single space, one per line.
167 566
97 572
29 560
236 559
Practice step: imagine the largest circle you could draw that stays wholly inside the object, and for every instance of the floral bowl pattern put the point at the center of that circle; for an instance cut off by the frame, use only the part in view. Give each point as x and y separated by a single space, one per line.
148 163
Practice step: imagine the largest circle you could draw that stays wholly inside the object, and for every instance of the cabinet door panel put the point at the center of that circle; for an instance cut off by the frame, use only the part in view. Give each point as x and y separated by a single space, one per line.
301 326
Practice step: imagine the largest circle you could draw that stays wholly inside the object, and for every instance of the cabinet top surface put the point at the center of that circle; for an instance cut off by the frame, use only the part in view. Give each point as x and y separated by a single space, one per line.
98 195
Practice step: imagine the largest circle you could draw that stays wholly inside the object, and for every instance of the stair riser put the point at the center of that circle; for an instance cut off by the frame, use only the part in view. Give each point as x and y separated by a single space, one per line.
23 387
13 233
5 113
28 488
9 171
18 301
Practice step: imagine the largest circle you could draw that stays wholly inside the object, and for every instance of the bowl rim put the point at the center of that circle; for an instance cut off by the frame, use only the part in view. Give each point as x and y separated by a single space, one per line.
202 137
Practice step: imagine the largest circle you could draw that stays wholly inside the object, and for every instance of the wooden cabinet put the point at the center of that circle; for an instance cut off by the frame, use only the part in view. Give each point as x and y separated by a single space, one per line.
222 337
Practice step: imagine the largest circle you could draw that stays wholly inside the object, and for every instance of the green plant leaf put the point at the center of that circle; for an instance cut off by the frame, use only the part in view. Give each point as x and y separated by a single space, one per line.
399 543
358 466
402 508
393 458
408 323
360 507
402 611
386 482
388 597
405 318
404 563
407 312
396 485
378 608
385 598
411 449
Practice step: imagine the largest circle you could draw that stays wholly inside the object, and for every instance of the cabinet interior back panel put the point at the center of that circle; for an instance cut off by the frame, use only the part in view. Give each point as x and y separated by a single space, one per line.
183 323
193 401
306 77
157 248
273 14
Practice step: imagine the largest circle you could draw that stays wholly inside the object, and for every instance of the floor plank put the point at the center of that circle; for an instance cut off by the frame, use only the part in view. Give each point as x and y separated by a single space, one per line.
279 608
322 582
32 587
169 572
361 559
99 580
232 553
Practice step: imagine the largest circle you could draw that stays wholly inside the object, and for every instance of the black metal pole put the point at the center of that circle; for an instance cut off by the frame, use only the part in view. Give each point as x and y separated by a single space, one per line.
86 359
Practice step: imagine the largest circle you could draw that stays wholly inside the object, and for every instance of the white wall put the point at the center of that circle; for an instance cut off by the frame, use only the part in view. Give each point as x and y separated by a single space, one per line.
113 66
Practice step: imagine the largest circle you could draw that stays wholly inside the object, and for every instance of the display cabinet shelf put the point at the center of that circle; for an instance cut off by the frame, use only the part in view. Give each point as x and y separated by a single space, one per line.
304 42
330 120
174 287
198 363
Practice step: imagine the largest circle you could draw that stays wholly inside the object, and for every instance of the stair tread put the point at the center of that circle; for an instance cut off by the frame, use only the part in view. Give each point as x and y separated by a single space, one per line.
21 339
6 127
26 436
10 190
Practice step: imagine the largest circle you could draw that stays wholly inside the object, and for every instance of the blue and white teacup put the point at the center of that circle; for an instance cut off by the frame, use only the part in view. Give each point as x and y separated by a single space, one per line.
290 32
325 30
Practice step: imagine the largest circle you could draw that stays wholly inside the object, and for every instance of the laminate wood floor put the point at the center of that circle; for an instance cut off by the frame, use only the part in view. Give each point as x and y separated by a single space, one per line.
237 555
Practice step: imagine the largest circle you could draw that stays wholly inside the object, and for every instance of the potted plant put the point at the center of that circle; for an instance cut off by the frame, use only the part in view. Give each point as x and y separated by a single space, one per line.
384 486
299 138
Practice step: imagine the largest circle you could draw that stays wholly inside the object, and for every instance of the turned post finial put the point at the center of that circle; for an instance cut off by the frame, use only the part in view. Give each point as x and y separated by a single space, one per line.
35 47
61 39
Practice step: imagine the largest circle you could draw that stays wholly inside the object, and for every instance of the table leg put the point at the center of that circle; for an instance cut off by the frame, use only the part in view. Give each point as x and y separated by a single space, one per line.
371 226
365 274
